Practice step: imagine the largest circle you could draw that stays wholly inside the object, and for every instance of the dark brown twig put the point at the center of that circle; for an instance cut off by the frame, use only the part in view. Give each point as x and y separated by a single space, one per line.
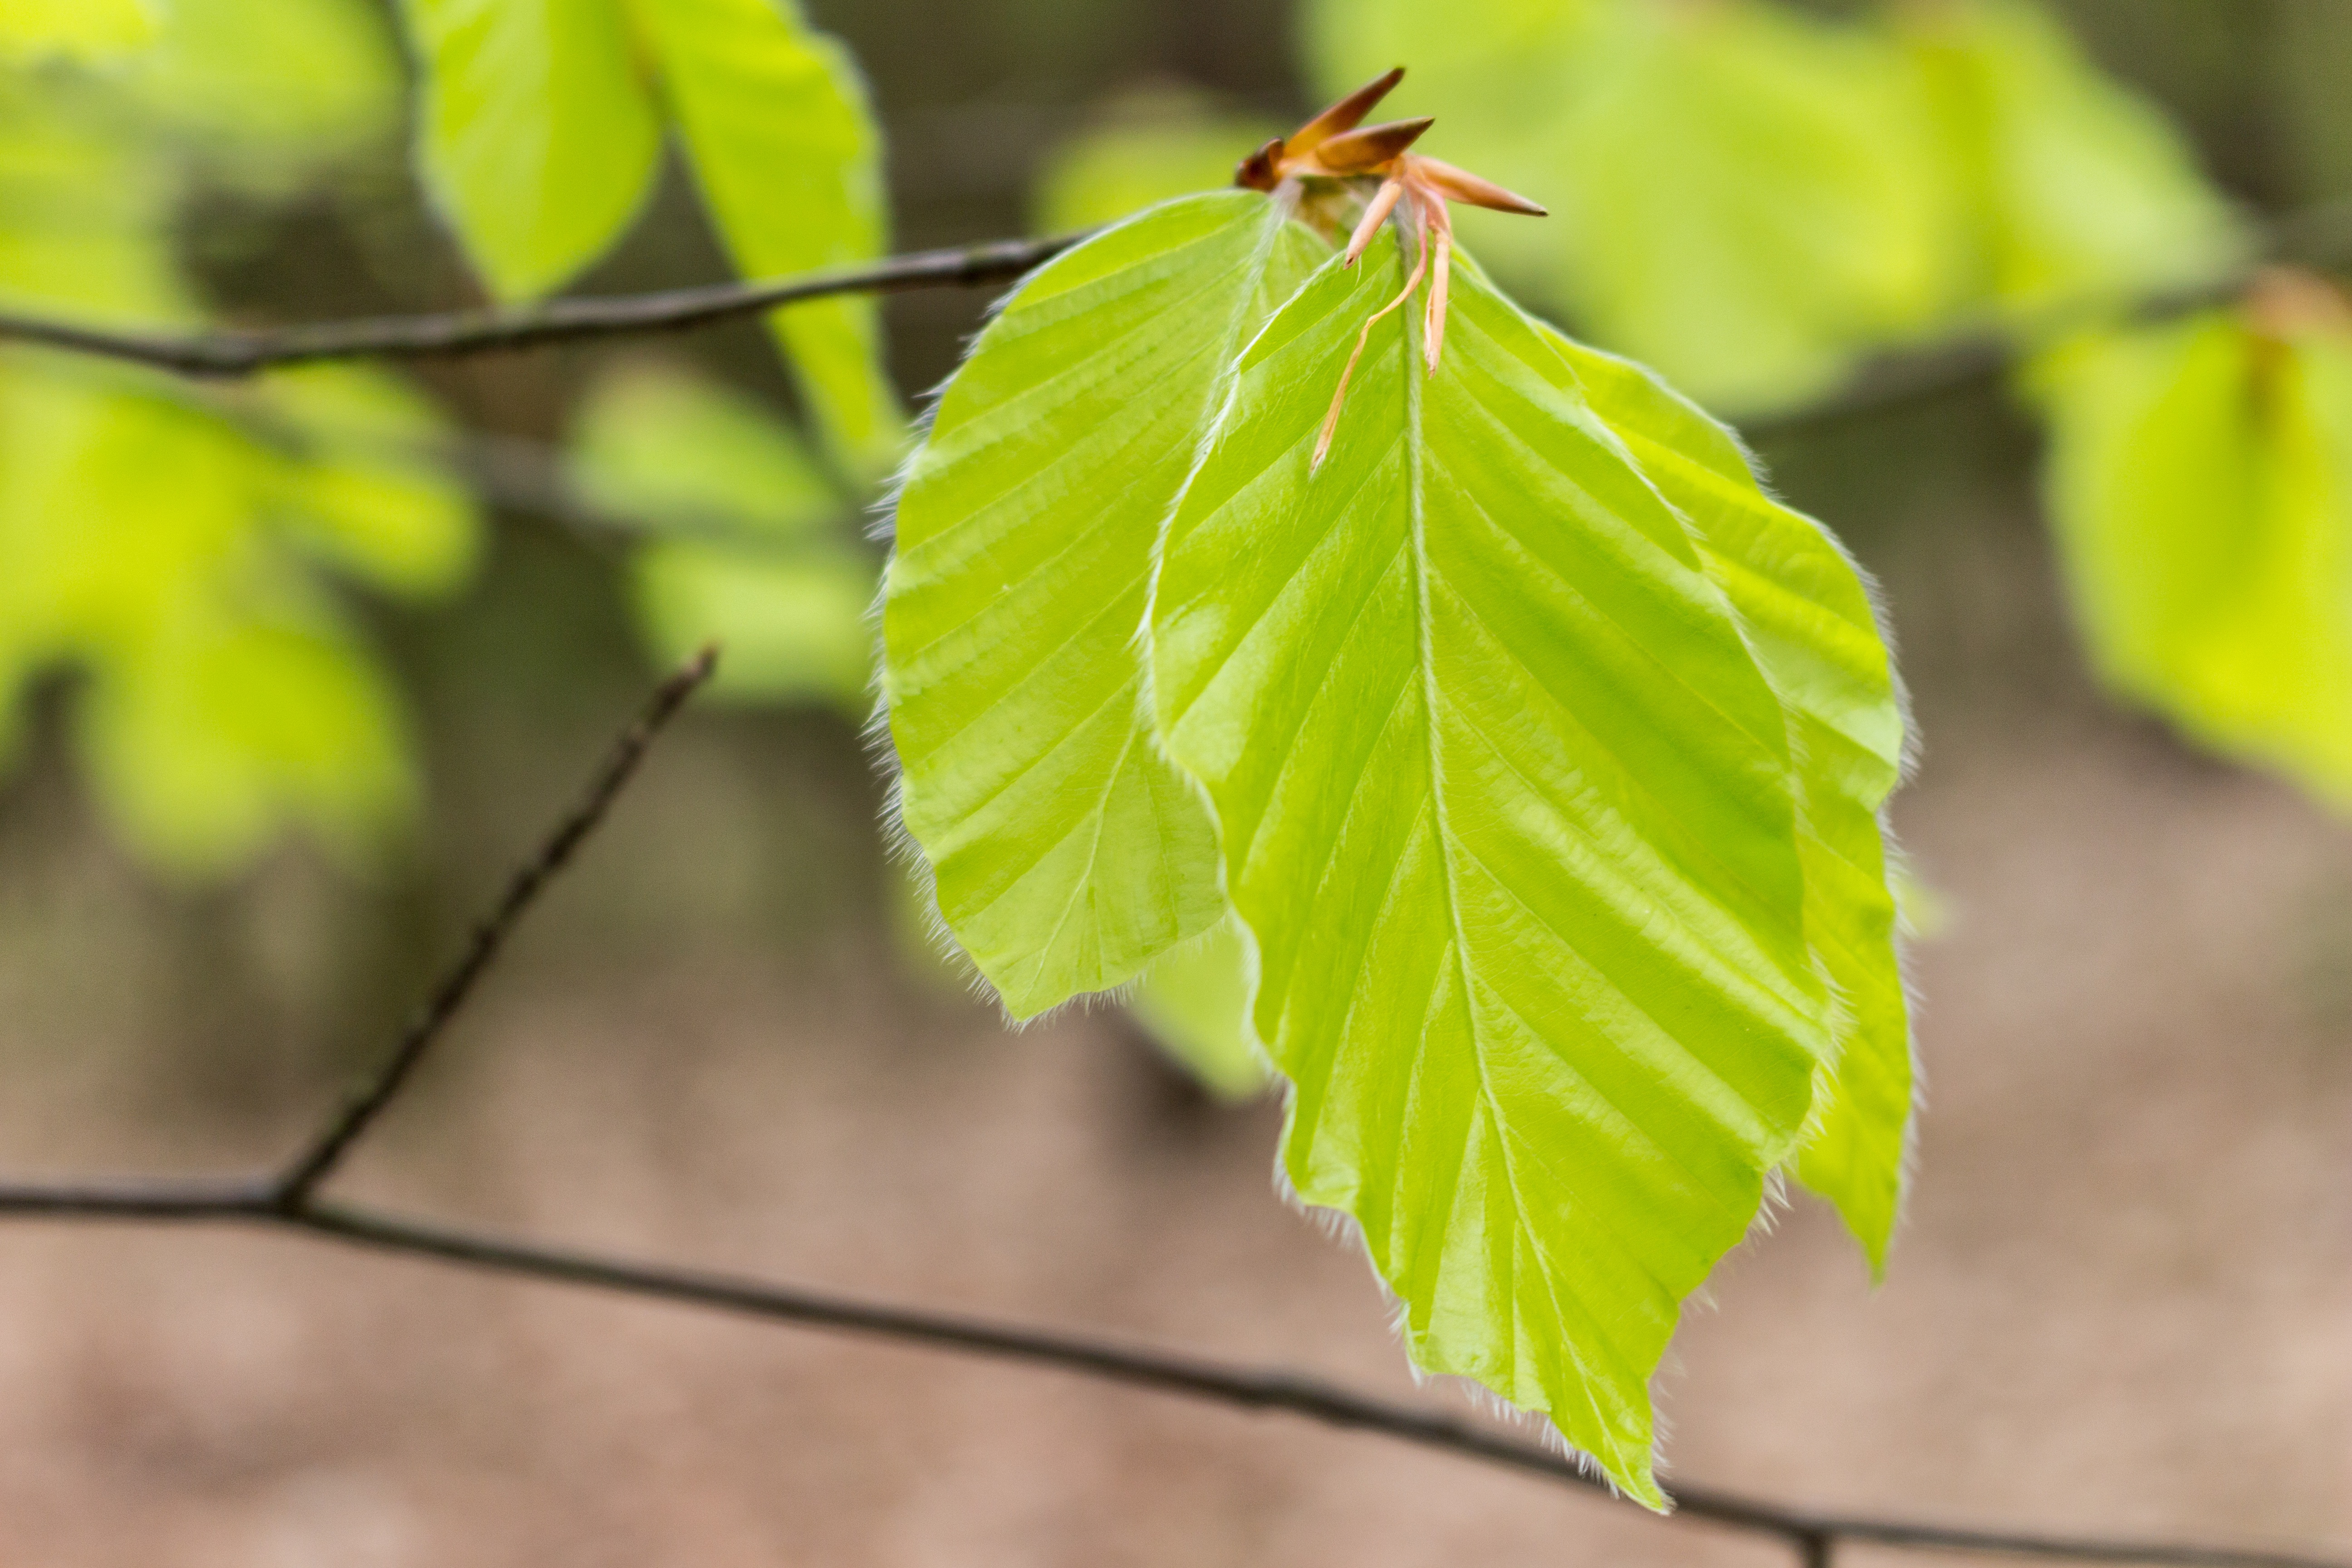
315 1164
288 1201
240 353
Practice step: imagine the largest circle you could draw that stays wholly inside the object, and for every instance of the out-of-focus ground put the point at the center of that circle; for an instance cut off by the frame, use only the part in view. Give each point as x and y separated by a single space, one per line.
2123 1300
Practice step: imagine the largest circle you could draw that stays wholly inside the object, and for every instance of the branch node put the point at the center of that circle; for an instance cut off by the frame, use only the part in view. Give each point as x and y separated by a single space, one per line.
291 1193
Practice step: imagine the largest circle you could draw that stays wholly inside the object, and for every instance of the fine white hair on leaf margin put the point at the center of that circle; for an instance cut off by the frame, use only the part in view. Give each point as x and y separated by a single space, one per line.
1343 1230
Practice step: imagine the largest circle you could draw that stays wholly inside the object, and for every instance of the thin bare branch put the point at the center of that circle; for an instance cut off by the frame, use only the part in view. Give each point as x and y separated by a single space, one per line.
1260 1389
316 1163
288 1202
2317 235
227 355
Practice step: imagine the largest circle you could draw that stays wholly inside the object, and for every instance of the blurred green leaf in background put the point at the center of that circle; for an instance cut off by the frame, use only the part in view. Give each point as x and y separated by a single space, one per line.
2201 481
268 93
173 546
77 29
748 546
1751 196
1194 1003
2076 189
542 139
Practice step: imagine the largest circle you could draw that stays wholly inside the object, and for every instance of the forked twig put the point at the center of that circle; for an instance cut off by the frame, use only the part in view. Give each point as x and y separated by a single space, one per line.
288 1199
316 1163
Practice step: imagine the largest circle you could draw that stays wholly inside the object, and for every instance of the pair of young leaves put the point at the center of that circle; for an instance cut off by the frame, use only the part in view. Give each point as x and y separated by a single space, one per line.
1536 752
542 135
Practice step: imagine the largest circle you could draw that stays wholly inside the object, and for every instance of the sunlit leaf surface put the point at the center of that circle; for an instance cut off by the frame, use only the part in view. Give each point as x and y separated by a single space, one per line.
1068 852
1506 805
1809 620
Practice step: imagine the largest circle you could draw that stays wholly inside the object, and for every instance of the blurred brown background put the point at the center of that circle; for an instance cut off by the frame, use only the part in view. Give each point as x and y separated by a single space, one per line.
2123 1300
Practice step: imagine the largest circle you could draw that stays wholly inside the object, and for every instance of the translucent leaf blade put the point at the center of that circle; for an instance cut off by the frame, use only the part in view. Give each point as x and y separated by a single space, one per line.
1808 617
677 453
1505 804
1068 852
2200 484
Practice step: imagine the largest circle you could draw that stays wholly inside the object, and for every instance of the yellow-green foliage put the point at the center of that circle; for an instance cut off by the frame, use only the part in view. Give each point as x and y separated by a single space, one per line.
2201 480
543 126
173 550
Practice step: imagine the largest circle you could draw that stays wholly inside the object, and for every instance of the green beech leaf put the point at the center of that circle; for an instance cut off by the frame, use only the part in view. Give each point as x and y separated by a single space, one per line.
1068 852
539 139
542 137
2082 189
1195 1004
784 144
679 453
1505 803
2200 483
1809 621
